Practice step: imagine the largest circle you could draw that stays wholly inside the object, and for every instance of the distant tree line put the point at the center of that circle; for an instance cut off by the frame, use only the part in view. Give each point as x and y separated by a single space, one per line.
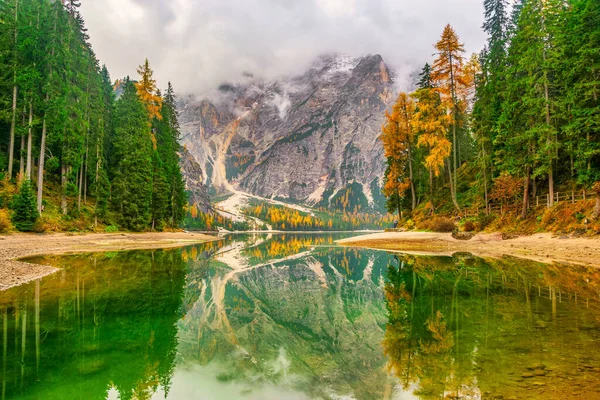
524 113
63 126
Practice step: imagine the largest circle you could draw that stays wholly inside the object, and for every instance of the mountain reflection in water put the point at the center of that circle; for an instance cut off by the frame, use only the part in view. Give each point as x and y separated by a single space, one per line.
296 317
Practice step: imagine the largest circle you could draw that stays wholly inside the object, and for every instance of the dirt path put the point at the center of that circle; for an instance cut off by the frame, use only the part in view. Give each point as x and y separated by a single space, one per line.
543 247
13 273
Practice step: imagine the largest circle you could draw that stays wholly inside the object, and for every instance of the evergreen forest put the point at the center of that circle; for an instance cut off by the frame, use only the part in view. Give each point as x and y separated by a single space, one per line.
77 150
512 130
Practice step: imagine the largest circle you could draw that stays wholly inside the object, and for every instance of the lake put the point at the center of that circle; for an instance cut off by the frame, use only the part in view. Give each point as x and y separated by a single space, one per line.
296 317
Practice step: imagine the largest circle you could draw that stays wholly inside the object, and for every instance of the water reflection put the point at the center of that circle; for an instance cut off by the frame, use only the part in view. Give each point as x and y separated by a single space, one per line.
102 323
464 327
290 312
295 317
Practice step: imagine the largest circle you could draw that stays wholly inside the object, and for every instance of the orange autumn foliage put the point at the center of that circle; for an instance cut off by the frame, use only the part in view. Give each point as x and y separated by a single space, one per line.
448 68
507 188
147 91
431 121
397 135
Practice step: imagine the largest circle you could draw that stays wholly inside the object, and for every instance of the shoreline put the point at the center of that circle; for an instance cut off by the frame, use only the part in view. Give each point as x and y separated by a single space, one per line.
541 247
16 246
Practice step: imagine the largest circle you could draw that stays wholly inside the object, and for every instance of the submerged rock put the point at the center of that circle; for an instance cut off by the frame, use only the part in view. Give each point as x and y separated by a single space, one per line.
537 366
462 235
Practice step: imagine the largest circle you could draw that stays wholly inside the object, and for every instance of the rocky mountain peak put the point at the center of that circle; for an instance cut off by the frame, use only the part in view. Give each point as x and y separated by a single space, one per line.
310 138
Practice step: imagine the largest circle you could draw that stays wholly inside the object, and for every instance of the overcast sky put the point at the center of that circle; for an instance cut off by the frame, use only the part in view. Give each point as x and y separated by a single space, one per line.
197 44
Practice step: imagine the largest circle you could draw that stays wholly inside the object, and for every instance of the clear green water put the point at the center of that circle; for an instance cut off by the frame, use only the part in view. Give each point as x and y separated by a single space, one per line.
294 317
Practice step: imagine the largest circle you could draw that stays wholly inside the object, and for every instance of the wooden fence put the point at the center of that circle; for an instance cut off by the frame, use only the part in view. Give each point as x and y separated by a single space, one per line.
535 202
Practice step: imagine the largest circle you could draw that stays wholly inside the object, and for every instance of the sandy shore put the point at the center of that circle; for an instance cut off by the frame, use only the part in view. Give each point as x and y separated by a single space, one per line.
13 273
543 247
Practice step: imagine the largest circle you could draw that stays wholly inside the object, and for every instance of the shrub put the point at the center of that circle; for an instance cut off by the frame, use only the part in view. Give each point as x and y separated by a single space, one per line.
441 224
76 225
112 229
4 221
469 226
507 189
40 227
484 220
25 213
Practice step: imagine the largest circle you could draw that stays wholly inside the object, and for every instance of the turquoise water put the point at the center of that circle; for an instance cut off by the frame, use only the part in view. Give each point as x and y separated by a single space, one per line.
296 317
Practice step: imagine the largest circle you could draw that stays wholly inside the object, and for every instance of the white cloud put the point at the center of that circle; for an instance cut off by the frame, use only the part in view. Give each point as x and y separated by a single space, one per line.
198 44
336 8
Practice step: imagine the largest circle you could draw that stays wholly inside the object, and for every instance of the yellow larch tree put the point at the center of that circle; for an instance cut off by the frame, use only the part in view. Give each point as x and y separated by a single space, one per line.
147 91
448 77
397 135
432 121
466 92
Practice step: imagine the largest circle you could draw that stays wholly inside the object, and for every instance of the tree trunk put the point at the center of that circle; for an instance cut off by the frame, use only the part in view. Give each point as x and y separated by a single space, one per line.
13 123
597 208
11 149
97 175
452 188
549 140
430 183
526 193
40 182
412 183
551 185
21 159
83 186
79 187
29 167
85 170
63 185
42 161
454 146
485 182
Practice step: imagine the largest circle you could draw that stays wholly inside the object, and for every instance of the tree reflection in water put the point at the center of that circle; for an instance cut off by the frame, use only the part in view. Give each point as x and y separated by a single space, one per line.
294 316
465 327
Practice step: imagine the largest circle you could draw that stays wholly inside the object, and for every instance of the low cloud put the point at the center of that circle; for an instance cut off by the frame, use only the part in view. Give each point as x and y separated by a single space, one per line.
282 103
198 44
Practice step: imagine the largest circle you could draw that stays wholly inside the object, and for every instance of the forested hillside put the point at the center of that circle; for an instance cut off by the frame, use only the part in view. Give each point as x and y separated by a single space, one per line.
512 130
70 151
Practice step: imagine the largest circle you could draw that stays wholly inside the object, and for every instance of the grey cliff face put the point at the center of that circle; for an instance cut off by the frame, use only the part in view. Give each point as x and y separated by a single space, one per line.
194 181
306 138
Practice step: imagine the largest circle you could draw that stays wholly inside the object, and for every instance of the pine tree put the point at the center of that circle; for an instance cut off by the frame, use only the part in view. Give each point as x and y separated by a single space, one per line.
12 42
160 193
528 138
100 143
132 148
425 81
25 214
168 147
57 100
490 86
580 95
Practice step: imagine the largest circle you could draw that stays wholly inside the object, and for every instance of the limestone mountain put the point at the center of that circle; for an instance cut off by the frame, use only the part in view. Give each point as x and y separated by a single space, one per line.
310 138
194 178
